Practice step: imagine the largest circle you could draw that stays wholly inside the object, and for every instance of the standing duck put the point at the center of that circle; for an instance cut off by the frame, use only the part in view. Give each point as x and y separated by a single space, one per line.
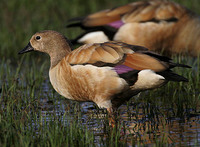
107 74
157 25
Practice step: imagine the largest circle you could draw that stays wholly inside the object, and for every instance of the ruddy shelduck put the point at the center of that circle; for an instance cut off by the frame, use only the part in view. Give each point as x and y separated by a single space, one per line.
107 74
159 25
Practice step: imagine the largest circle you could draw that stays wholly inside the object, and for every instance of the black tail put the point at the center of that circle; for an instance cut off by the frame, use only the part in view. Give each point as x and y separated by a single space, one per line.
182 65
75 24
77 19
171 76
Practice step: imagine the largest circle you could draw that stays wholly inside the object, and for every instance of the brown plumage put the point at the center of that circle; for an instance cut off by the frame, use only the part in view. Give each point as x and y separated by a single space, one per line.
158 25
105 73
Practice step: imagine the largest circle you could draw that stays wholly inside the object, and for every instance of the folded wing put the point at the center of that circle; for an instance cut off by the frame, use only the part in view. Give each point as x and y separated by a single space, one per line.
117 53
141 11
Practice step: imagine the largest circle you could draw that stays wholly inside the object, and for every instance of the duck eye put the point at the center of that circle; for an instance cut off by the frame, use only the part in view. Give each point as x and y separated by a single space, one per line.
38 37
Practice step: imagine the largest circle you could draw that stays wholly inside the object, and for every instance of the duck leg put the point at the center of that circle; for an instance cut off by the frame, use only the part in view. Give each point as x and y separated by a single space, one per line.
112 117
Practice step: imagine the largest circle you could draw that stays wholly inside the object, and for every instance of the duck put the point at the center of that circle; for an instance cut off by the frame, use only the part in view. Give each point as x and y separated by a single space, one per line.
107 74
160 25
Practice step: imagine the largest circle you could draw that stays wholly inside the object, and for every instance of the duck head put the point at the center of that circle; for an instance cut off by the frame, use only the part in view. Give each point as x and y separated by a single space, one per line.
51 42
47 41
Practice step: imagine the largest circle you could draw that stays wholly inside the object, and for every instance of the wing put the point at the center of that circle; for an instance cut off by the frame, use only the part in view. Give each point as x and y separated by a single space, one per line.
141 11
155 10
122 56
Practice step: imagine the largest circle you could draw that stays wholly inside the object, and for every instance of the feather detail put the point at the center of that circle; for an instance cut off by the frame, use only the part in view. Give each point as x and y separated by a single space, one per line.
154 10
106 16
100 18
140 11
108 52
140 61
116 53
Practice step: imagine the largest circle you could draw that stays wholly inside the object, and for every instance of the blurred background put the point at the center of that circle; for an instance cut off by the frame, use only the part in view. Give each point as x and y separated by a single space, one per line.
21 19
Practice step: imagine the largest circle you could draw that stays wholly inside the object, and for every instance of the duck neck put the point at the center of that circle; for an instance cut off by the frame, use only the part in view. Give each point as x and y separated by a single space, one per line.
56 58
59 51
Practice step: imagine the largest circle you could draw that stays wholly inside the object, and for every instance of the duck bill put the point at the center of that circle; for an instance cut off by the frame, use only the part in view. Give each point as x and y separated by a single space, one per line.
28 48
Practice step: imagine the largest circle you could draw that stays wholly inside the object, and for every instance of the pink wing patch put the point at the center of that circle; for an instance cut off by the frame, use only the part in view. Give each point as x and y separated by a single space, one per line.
120 69
116 24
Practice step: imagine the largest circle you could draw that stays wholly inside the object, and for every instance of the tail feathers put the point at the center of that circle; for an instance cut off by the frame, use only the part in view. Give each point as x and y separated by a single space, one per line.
171 76
76 19
76 24
172 65
166 59
183 65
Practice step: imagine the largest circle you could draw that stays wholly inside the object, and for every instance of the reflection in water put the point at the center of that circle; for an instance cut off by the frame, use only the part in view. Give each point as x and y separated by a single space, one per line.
143 123
172 131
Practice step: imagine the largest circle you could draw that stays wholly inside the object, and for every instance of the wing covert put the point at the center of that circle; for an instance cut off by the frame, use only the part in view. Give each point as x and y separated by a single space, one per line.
141 11
117 53
108 52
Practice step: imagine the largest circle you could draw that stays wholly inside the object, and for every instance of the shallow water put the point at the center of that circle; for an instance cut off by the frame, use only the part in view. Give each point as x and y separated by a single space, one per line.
139 126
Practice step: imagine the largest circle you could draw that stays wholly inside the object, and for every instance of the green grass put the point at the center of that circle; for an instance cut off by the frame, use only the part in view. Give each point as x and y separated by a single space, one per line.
33 114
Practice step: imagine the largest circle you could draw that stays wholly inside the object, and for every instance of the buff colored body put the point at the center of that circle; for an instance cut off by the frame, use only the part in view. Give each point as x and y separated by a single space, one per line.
157 25
78 83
